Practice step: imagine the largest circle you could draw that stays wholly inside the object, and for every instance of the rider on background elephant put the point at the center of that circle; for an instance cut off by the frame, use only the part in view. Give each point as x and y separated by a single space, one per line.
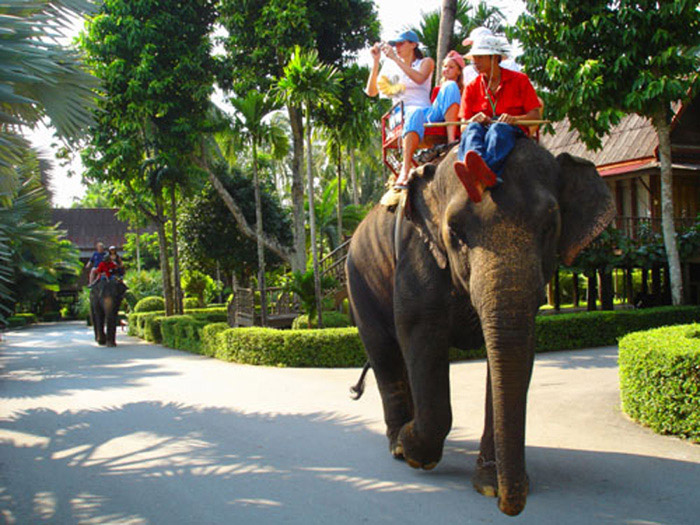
460 273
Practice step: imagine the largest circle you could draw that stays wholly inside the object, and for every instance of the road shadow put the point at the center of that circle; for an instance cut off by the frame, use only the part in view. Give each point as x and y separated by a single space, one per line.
153 462
55 358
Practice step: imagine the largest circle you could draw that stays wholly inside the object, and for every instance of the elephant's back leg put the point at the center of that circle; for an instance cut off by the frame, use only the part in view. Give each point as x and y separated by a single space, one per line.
374 318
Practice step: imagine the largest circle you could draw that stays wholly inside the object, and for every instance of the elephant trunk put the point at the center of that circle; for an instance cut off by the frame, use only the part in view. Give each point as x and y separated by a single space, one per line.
507 302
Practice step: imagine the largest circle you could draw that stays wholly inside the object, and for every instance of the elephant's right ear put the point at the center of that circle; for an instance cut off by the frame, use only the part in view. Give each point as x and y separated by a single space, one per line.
424 213
586 205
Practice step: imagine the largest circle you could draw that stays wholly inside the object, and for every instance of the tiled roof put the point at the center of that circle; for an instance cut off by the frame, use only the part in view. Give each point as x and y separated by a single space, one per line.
633 138
85 226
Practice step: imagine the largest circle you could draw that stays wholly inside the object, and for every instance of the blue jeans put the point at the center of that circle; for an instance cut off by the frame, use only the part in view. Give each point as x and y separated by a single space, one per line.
493 143
416 117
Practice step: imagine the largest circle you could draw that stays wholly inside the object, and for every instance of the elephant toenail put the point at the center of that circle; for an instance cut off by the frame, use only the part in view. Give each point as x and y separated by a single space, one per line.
412 463
430 466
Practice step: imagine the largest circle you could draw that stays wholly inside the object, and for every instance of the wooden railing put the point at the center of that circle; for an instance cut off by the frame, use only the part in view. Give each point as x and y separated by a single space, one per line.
643 227
282 307
333 264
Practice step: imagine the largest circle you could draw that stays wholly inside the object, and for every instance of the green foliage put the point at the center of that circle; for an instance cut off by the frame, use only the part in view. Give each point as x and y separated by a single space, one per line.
297 348
331 319
302 284
597 60
467 17
591 329
208 235
147 325
191 302
39 78
145 283
148 250
150 304
660 379
261 36
195 284
182 332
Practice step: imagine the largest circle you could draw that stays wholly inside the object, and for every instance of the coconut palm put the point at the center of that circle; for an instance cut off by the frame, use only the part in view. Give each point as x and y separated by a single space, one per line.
252 129
309 83
39 78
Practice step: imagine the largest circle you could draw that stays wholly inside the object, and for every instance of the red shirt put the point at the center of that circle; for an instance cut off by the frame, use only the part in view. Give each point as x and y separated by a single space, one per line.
106 267
514 96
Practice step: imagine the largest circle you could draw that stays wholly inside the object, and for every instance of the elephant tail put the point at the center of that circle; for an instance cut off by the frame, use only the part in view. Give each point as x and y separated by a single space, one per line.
358 389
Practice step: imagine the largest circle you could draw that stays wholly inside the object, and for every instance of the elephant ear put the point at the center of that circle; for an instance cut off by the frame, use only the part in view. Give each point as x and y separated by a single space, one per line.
586 205
425 214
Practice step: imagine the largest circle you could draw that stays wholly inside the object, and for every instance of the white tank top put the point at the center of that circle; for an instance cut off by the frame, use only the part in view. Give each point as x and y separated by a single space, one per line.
415 94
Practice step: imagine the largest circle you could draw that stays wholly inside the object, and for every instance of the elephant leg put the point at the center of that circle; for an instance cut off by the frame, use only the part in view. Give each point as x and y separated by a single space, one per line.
392 381
111 329
485 479
427 361
98 324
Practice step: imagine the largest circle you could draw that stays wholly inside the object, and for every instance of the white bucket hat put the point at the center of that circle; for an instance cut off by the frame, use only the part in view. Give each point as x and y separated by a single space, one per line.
489 45
476 34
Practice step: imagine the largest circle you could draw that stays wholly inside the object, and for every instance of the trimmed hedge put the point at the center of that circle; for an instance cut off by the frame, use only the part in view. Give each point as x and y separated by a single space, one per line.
660 379
319 348
15 322
29 318
331 319
152 303
182 332
330 347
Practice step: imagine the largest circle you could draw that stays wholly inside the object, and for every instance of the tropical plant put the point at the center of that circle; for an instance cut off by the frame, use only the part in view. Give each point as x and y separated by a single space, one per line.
310 84
303 285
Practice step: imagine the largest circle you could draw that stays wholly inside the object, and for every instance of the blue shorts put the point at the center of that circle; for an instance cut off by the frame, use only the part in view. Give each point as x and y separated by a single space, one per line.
416 117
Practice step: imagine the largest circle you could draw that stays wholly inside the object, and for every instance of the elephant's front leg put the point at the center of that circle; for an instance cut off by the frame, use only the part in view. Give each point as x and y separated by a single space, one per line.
485 479
426 352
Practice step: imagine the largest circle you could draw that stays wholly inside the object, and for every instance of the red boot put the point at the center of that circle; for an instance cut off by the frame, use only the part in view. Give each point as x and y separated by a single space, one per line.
480 169
474 186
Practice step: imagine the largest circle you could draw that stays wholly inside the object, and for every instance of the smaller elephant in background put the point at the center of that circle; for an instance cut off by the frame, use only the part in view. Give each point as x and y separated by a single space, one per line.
105 299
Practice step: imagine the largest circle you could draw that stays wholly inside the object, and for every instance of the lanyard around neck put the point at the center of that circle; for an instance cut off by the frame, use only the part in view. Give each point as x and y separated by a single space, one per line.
492 101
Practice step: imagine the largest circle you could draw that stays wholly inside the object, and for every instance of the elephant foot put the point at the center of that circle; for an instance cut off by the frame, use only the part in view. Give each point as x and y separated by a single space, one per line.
511 501
416 452
111 344
101 343
485 479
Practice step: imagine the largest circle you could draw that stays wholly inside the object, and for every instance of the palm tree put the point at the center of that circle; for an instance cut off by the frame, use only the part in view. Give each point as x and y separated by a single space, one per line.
310 84
39 78
448 14
252 129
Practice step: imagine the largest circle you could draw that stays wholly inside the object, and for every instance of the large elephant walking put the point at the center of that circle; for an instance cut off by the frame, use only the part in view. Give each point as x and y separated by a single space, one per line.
105 298
460 273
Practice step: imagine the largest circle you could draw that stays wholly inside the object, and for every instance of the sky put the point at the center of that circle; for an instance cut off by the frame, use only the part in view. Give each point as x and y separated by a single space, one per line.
394 15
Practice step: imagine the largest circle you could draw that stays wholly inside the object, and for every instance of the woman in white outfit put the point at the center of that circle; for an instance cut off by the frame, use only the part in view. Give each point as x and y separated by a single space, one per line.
412 87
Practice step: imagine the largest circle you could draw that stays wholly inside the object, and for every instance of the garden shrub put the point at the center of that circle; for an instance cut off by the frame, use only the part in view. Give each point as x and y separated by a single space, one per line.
331 319
15 322
209 338
660 379
150 304
28 317
182 332
330 347
190 302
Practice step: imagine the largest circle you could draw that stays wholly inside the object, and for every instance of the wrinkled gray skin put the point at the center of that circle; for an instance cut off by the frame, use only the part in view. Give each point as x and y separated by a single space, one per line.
466 273
105 298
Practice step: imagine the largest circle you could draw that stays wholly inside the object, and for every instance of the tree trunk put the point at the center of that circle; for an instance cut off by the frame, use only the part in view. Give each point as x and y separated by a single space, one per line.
258 238
447 23
592 291
606 290
138 251
312 219
576 291
298 261
164 263
557 290
353 178
177 288
629 285
663 131
340 197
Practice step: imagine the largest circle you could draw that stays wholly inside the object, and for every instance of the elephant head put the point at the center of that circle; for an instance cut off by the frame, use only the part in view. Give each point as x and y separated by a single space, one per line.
501 252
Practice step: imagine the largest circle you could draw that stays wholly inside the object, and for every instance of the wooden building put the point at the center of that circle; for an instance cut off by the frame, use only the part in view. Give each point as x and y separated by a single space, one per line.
629 163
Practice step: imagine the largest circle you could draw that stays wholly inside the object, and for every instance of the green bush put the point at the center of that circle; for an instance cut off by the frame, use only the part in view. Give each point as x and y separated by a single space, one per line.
182 332
209 338
331 319
51 316
190 302
604 328
28 317
150 304
330 347
15 321
660 379
144 283
146 325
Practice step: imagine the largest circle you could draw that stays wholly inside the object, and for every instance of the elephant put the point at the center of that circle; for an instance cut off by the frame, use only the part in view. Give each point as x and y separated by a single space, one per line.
105 298
455 271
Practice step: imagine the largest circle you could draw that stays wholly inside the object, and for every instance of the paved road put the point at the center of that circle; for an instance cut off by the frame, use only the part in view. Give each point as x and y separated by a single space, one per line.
144 434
